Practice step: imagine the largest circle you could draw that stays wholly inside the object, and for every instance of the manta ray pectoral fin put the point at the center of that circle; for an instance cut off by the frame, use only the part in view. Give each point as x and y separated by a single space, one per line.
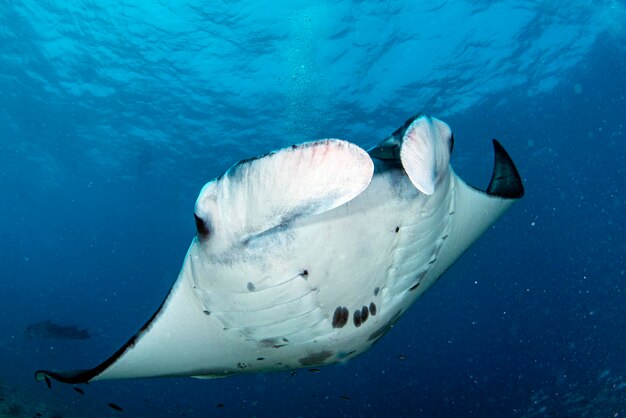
475 210
259 194
180 339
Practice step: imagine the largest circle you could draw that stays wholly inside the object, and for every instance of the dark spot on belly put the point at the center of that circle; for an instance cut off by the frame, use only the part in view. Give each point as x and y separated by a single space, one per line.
340 317
304 273
376 291
260 358
273 342
444 237
364 313
397 229
357 318
337 316
345 315
432 261
415 286
315 358
207 313
373 309
251 287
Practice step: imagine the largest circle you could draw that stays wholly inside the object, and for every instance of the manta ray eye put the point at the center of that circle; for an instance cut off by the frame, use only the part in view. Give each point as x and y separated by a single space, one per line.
201 227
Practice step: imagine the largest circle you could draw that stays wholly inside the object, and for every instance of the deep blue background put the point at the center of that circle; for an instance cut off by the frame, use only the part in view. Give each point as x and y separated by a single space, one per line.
112 119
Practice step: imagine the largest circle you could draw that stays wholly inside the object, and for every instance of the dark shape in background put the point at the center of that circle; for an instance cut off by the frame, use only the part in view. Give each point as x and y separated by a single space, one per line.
50 330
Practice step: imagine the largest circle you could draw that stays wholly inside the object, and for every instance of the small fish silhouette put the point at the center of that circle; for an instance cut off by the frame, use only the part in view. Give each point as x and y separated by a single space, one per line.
115 406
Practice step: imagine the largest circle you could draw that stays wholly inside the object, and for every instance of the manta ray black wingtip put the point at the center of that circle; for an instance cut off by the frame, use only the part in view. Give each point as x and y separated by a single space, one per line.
72 377
42 375
505 180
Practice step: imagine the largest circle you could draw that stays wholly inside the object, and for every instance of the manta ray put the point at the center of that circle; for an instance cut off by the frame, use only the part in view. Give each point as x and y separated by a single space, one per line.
306 256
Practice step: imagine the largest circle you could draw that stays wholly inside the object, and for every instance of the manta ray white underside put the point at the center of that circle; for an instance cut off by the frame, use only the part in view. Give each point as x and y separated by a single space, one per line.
308 255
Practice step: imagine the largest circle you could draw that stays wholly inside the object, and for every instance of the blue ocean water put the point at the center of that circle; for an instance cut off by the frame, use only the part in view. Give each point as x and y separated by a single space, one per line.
113 116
